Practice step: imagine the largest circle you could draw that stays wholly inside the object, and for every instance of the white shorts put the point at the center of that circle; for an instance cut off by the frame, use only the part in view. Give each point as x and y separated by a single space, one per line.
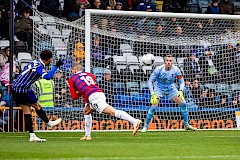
97 101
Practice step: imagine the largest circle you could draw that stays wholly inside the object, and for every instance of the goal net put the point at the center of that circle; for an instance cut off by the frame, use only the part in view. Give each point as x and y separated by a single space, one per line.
205 48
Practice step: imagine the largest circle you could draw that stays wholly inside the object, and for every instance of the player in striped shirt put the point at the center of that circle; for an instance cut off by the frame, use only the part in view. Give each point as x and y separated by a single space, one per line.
24 96
83 84
163 77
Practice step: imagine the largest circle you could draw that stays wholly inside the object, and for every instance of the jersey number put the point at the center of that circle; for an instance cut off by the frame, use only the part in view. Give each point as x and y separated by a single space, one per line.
88 80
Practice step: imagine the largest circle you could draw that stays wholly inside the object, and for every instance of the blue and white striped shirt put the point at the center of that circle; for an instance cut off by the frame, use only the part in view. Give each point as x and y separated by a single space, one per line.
32 72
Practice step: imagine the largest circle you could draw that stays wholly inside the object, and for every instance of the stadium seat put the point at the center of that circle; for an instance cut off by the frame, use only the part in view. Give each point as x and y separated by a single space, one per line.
139 100
120 62
158 61
98 71
133 63
144 87
24 58
126 48
36 19
58 44
125 101
146 69
119 87
235 87
223 88
4 43
210 86
132 85
61 54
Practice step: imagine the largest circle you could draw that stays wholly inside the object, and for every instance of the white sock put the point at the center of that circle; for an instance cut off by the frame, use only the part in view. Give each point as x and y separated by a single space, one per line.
32 135
88 125
125 116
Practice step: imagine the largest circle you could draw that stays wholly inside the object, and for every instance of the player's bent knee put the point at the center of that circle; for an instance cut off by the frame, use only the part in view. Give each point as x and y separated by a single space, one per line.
109 110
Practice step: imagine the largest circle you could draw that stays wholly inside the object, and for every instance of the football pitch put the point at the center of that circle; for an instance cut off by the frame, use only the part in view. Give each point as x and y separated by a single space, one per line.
161 145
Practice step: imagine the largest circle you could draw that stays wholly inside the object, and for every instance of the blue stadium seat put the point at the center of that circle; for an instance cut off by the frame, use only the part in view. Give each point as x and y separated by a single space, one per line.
119 87
125 101
139 100
223 88
132 86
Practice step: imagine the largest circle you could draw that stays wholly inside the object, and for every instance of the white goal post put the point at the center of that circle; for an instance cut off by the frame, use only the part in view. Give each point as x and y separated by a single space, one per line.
114 42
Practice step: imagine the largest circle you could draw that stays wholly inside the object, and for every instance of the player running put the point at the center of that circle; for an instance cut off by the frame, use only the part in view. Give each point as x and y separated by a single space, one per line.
24 96
163 77
83 84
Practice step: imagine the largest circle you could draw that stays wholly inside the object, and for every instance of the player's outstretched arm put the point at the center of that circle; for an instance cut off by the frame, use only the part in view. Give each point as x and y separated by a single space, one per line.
48 75
73 92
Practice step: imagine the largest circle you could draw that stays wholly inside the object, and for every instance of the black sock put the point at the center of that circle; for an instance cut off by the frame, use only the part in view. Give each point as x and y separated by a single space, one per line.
28 122
42 115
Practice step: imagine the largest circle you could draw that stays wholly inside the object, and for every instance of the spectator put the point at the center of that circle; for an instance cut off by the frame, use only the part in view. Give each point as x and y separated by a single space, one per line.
211 98
4 19
97 53
50 7
60 90
235 103
79 52
171 26
110 4
97 4
83 4
24 29
4 69
119 6
159 31
214 8
224 64
226 7
211 27
106 85
171 6
202 101
196 90
208 69
223 101
71 10
191 67
236 70
149 9
2 100
199 30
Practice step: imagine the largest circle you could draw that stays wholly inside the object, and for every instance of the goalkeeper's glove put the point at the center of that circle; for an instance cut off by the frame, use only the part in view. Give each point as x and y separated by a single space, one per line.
59 63
180 95
154 98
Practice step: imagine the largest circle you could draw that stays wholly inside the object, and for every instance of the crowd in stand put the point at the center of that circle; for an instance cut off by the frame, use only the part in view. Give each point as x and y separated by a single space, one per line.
219 67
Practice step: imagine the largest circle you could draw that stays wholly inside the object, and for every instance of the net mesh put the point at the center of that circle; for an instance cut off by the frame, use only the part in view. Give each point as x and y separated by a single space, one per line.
206 51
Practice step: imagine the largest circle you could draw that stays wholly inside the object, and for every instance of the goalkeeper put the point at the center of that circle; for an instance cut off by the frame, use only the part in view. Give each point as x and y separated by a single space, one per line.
163 78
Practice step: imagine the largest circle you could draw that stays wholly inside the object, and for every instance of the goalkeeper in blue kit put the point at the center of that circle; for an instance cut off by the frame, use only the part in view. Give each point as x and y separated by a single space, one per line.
163 78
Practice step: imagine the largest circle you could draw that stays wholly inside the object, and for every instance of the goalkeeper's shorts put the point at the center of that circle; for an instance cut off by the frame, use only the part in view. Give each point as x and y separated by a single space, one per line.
169 93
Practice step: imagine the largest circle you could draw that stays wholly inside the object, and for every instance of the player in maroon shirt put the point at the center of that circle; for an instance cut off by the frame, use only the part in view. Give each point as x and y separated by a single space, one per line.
83 84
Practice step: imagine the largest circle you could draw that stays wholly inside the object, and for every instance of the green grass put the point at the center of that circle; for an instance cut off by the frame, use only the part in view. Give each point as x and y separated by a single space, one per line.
122 145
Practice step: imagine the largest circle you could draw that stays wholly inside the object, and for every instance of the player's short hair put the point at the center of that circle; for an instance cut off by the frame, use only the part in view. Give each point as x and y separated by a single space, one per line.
167 56
77 66
46 55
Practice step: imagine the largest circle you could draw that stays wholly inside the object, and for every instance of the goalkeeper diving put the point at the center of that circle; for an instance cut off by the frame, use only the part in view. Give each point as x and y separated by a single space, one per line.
163 78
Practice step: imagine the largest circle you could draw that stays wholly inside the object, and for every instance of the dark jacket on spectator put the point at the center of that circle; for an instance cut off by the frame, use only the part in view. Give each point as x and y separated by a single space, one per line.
226 7
24 25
